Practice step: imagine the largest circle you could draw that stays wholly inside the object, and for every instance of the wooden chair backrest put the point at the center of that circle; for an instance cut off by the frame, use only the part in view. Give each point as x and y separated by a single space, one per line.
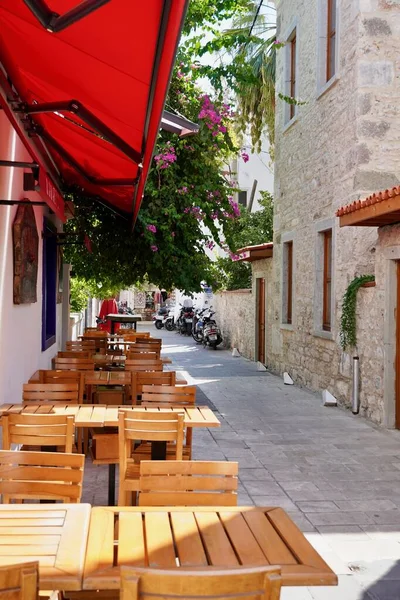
253 583
130 335
48 393
94 333
41 475
140 354
19 581
164 395
88 345
151 426
74 364
149 378
146 345
38 430
143 365
64 376
74 354
188 483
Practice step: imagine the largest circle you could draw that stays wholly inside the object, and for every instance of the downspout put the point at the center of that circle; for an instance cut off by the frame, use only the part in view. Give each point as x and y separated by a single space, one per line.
355 401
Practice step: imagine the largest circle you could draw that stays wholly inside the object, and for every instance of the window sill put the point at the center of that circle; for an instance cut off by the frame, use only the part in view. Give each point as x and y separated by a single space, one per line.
290 123
327 86
326 335
287 326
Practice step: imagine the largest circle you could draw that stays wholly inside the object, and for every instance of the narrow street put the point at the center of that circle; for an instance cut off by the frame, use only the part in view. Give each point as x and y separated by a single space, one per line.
336 475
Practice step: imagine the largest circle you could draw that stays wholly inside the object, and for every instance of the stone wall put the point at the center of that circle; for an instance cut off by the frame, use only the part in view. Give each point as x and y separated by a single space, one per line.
343 145
234 312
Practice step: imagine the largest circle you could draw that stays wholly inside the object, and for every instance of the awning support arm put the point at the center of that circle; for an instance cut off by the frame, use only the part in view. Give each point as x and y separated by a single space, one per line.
89 118
54 22
38 130
25 201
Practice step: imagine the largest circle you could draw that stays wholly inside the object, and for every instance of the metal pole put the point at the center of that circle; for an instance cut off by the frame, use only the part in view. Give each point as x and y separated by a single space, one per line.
355 402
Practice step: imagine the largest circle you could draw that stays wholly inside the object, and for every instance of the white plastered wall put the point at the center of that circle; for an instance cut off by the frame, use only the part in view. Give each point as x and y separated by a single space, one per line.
20 325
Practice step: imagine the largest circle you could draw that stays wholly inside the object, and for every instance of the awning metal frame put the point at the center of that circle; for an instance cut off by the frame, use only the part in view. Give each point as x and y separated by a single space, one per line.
75 107
54 22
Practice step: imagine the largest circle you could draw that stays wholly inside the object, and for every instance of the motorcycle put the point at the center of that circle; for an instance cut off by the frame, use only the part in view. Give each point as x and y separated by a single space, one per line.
185 319
170 320
211 332
197 325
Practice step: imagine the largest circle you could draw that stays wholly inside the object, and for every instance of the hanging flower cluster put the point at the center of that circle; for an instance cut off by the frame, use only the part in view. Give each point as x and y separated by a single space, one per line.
213 117
154 248
167 157
210 244
151 228
245 157
183 190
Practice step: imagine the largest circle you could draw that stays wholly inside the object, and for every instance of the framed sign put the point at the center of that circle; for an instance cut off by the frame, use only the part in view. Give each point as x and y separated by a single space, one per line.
26 255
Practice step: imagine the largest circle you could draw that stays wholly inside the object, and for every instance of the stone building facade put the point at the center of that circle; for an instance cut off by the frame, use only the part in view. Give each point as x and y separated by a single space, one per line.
339 145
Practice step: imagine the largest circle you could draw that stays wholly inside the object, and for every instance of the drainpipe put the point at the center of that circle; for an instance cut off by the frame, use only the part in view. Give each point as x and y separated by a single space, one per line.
355 401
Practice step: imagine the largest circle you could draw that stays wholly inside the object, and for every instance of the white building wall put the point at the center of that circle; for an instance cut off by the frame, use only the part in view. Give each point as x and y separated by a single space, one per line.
259 168
20 325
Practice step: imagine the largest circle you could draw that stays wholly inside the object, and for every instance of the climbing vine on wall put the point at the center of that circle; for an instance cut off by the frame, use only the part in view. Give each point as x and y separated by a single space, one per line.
348 324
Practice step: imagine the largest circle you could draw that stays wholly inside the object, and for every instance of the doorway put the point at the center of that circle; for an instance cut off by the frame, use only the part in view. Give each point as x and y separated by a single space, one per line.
260 332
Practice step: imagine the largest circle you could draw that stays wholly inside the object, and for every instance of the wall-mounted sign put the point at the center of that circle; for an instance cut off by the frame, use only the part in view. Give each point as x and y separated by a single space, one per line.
26 255
51 195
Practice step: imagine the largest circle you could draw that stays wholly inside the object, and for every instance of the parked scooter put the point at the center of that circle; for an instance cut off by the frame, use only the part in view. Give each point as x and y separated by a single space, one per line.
211 332
170 320
197 325
160 317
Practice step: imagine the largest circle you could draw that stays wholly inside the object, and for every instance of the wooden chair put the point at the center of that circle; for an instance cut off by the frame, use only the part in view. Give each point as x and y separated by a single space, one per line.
41 476
19 581
49 393
130 335
148 426
255 583
35 431
94 333
143 365
63 376
74 354
147 345
166 396
74 364
188 483
149 378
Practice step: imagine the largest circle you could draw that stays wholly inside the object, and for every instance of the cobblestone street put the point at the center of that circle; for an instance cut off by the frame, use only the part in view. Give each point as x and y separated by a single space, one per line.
336 475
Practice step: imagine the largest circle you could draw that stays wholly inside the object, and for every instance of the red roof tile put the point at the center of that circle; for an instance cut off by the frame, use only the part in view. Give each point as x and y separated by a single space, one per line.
373 199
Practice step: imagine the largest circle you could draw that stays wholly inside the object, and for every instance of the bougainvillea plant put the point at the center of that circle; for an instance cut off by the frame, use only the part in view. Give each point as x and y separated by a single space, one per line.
188 203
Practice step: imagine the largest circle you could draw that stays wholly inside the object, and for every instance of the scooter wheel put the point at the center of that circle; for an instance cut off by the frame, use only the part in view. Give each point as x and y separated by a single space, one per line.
169 326
158 325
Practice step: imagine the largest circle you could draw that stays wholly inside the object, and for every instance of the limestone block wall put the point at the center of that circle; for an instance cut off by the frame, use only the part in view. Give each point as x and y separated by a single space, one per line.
235 316
343 145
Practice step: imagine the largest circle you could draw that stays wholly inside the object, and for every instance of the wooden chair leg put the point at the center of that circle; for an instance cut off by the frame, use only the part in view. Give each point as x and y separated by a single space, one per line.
189 440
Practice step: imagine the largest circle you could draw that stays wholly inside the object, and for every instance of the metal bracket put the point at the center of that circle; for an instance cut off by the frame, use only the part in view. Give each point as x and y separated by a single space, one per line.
54 22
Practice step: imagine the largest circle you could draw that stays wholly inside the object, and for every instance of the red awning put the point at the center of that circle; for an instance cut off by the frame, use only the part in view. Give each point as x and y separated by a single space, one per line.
92 82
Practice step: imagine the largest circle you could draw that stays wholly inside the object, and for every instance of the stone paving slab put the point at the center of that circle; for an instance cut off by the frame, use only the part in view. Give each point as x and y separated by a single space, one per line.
336 474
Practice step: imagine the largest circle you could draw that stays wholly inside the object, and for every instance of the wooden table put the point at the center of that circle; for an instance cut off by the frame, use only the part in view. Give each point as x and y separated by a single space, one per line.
180 537
102 415
117 318
55 536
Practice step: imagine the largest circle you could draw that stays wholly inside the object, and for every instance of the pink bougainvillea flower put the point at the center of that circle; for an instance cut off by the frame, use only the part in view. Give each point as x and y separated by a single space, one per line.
154 248
173 233
245 157
151 228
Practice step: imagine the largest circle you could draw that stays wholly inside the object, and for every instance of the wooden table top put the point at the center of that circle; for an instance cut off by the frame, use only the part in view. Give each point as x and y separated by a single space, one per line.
198 537
110 359
107 378
55 536
102 415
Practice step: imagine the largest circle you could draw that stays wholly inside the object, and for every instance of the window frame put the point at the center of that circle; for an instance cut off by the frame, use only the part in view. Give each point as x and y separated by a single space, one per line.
320 228
330 35
324 51
49 285
291 79
327 281
288 267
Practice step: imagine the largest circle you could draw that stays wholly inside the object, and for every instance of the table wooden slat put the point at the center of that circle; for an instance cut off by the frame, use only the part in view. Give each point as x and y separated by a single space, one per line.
242 539
159 541
131 546
274 548
188 541
55 537
216 542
